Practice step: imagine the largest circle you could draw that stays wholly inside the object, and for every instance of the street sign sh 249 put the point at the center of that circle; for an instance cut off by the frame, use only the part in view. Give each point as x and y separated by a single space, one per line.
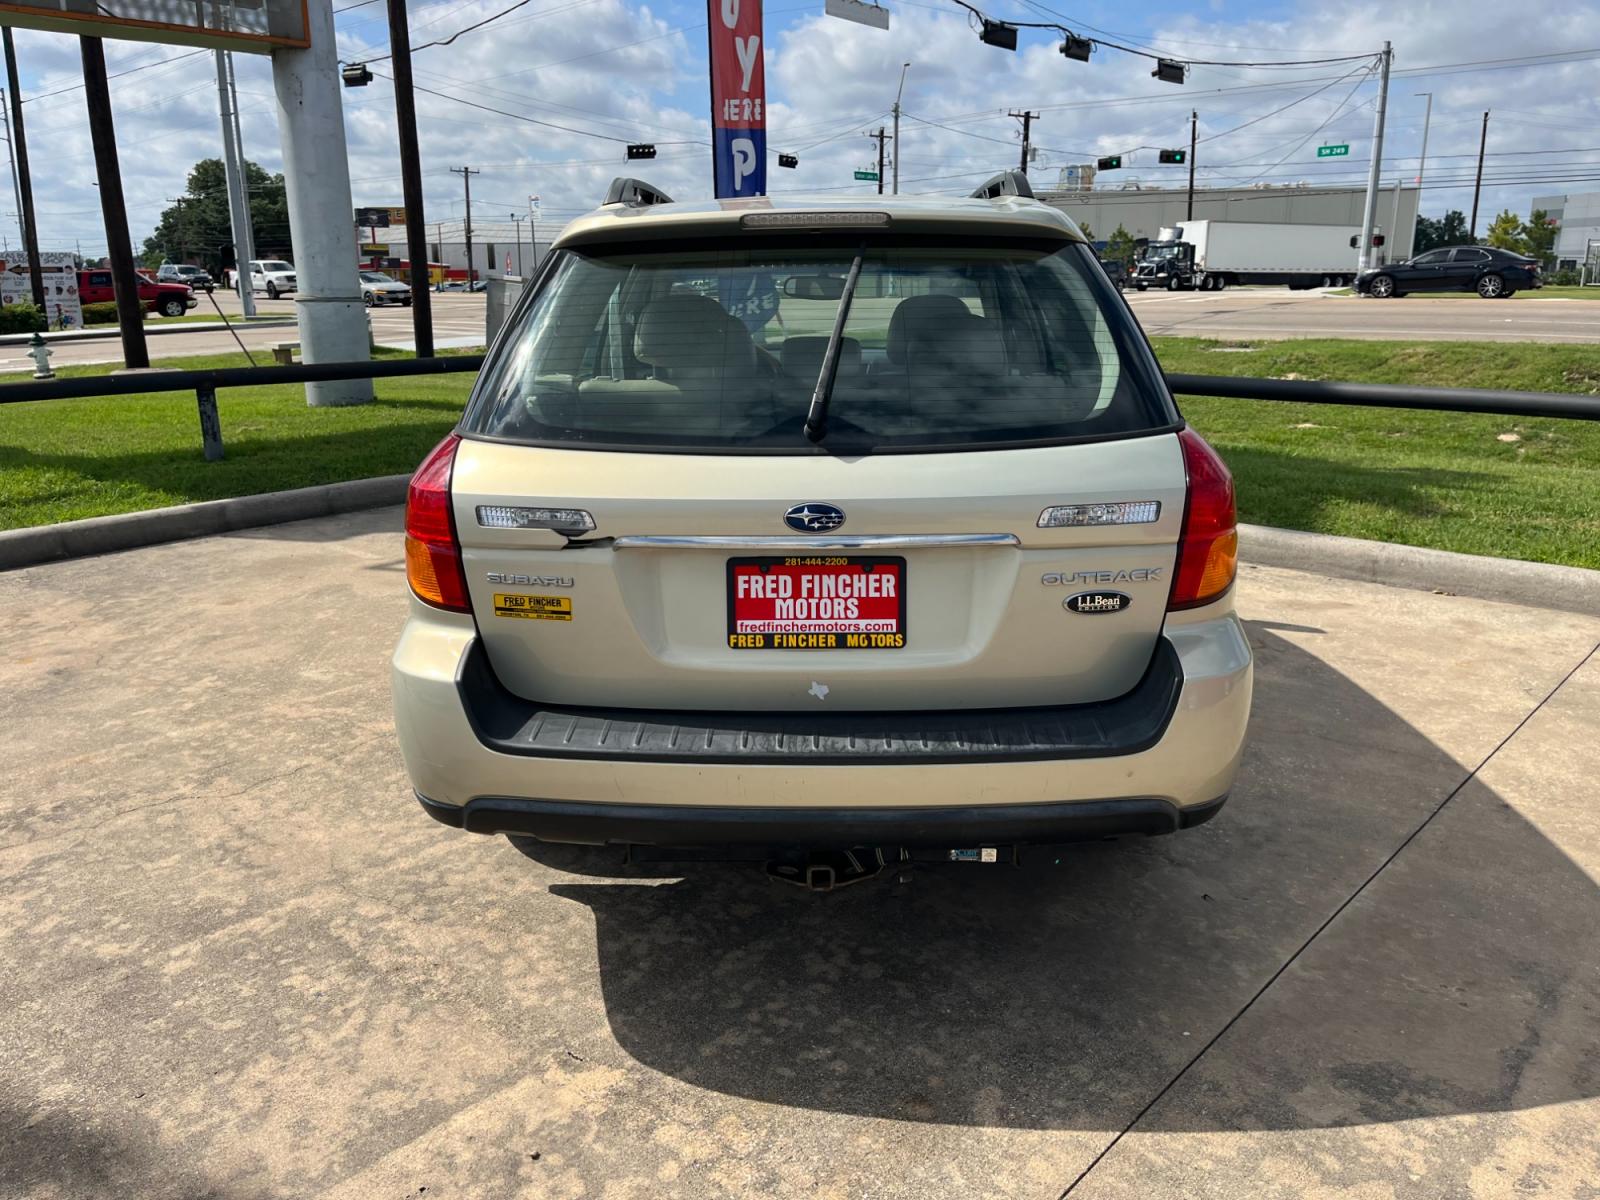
738 98
1342 151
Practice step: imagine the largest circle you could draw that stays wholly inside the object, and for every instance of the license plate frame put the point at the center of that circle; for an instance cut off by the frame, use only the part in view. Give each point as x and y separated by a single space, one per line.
819 638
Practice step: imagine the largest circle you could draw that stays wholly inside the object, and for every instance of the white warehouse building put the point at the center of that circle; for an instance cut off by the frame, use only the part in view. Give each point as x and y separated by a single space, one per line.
1145 211
1578 241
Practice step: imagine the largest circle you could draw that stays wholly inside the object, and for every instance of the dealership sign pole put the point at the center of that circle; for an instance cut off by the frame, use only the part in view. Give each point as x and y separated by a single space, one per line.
738 98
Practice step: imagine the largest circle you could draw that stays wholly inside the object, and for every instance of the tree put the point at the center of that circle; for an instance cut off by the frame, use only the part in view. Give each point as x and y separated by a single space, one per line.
1505 233
1449 230
196 226
1120 247
1539 235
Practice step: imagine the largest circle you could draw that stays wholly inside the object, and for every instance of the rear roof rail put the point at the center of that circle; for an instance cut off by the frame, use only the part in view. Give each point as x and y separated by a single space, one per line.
635 193
1007 183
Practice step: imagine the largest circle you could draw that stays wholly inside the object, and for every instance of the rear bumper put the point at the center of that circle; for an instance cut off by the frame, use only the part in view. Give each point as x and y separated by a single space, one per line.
1151 765
668 825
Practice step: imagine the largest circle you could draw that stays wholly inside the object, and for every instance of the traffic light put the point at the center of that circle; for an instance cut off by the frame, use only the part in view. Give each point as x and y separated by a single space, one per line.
641 150
1168 71
1377 239
788 160
1174 157
1112 163
1355 240
998 33
356 75
1076 48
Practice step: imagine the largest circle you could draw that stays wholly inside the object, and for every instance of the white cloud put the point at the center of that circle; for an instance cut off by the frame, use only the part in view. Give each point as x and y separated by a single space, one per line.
635 72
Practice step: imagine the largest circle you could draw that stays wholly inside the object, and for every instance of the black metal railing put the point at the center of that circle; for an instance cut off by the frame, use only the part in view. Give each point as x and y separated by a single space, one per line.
206 384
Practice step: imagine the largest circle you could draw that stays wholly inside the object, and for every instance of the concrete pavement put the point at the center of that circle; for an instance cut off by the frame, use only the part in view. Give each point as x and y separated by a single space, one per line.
242 963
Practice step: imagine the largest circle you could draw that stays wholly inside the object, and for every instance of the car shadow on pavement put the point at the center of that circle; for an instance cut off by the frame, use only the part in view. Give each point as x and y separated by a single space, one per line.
1067 993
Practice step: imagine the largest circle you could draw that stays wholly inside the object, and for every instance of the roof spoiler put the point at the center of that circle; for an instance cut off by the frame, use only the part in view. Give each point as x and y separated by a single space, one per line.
1007 183
635 193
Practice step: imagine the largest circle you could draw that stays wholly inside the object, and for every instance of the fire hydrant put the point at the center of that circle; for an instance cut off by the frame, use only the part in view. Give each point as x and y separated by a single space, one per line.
40 353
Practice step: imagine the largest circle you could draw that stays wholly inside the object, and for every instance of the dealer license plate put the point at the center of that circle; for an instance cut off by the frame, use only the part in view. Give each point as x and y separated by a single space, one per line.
816 602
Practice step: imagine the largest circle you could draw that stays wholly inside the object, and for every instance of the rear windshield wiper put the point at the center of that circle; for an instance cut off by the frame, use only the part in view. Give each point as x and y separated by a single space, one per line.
817 415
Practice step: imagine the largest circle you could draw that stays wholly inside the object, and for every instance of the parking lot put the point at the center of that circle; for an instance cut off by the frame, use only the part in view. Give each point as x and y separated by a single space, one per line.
243 963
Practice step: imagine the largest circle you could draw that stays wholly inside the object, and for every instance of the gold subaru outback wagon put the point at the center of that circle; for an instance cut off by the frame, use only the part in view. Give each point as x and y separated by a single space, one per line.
822 524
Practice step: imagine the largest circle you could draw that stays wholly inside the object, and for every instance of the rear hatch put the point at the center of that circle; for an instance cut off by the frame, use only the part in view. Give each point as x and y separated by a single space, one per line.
989 517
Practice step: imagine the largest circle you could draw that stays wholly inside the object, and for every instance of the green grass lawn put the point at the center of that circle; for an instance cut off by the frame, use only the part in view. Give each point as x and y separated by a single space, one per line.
1517 488
1479 484
64 459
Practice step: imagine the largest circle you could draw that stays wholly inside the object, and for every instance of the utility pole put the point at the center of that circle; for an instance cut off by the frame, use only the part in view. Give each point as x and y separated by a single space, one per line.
1427 118
11 159
880 137
1390 244
1477 188
237 216
516 224
1369 211
466 174
246 225
1027 119
97 96
1194 129
405 117
19 148
896 137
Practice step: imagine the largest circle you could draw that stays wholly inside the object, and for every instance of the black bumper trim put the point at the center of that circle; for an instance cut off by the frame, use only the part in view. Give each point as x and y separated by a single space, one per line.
1129 724
672 825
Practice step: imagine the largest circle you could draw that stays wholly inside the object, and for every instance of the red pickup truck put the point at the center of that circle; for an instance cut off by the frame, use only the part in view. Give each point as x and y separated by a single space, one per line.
168 299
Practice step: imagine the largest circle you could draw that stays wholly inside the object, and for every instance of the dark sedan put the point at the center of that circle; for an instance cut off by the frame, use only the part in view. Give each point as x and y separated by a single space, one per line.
1493 274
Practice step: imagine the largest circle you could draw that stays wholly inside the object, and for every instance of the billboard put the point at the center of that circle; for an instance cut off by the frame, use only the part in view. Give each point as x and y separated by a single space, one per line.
246 25
738 98
60 270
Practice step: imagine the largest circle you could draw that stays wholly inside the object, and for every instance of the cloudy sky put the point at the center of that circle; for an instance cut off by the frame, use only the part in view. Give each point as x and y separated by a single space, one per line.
575 80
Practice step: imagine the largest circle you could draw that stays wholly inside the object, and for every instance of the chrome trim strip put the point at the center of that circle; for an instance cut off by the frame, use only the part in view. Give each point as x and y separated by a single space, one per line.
860 541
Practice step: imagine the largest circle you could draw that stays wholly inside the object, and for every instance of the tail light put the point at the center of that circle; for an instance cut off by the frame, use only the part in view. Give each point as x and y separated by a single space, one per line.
1208 551
433 555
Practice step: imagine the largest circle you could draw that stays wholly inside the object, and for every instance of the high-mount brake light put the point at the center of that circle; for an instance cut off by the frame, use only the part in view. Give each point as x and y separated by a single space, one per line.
813 220
433 554
1208 549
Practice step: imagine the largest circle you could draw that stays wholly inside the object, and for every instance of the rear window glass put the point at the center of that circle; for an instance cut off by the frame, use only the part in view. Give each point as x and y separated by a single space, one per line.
719 348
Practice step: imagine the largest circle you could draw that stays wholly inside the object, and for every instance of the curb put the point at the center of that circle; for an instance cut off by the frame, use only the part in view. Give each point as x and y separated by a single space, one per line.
126 531
1537 585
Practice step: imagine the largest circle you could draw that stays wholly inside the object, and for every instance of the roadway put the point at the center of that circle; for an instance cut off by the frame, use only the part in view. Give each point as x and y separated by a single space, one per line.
458 320
1236 314
1276 313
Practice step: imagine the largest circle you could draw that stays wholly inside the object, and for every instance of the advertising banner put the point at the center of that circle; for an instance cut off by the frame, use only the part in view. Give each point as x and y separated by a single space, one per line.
59 268
738 98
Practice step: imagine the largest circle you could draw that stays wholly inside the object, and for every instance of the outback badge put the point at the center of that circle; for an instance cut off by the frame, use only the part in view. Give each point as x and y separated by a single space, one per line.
1097 602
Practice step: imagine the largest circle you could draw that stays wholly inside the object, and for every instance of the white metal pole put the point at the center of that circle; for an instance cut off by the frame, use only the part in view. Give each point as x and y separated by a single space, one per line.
11 157
1370 209
1427 118
247 231
316 174
231 172
898 93
1390 245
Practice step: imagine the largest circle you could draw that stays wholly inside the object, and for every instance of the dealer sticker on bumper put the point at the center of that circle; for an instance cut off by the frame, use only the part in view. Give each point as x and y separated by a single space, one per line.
538 608
816 603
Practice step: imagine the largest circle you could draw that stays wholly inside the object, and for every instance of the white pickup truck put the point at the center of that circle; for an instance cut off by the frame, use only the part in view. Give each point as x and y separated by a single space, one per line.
272 276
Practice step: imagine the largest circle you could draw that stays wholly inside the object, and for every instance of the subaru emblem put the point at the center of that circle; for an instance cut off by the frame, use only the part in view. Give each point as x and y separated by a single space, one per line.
814 518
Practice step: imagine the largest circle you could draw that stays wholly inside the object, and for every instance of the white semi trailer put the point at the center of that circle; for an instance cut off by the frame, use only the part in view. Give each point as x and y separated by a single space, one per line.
1209 255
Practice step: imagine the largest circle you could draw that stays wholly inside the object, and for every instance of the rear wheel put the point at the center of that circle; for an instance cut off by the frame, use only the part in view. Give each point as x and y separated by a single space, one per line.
1382 287
1491 287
